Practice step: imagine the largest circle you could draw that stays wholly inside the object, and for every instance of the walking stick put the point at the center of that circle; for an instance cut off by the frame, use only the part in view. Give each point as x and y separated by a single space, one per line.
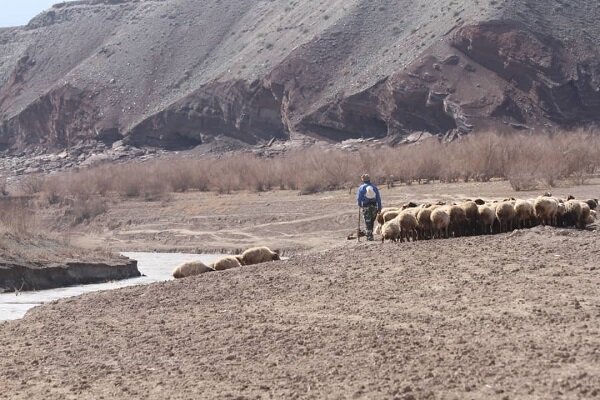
358 230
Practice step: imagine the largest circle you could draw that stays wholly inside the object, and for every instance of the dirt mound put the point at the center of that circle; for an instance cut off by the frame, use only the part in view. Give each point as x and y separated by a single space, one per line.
174 75
484 318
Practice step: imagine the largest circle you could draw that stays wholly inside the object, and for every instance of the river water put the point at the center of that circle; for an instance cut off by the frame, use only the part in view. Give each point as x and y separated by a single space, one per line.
156 267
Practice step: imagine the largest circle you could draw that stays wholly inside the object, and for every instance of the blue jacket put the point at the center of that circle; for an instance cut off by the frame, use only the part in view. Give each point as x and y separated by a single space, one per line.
361 195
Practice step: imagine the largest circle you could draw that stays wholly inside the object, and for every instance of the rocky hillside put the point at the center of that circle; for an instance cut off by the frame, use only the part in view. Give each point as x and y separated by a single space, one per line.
175 73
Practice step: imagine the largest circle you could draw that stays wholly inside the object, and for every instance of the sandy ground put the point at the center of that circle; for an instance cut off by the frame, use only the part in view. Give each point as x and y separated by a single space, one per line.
508 316
495 317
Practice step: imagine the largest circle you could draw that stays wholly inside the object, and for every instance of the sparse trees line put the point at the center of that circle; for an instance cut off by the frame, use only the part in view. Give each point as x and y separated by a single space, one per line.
527 161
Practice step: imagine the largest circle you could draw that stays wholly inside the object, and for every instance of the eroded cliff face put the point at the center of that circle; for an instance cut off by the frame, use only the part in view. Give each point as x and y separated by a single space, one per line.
171 74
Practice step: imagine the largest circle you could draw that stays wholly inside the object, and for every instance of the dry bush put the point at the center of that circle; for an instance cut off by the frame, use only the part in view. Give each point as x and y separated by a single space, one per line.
16 215
3 186
32 184
83 211
526 160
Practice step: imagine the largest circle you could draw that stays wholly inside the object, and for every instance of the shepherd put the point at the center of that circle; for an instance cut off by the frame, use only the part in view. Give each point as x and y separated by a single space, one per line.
369 201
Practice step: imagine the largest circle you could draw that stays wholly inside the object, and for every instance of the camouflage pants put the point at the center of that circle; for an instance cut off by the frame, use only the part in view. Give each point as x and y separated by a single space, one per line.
369 214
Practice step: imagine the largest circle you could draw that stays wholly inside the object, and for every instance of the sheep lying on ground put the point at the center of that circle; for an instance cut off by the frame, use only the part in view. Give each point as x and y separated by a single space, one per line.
190 269
258 255
226 263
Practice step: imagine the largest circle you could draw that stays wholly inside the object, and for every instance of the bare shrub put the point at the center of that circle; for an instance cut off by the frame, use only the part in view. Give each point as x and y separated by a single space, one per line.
526 160
32 184
82 211
16 215
3 186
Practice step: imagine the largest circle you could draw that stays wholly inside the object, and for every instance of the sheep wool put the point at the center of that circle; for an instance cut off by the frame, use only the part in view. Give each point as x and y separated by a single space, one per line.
226 263
390 231
259 255
191 268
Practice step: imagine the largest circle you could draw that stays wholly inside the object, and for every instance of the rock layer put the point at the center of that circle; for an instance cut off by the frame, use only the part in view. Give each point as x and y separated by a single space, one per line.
171 74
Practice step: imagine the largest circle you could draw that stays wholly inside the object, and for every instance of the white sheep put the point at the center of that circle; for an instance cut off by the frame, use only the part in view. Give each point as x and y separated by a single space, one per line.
226 263
380 217
505 214
593 216
440 219
191 268
545 210
425 225
258 255
487 217
585 215
560 213
525 213
408 225
457 219
390 231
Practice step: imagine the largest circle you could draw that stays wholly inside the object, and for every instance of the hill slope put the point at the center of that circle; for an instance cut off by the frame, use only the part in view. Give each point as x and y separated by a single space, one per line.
172 73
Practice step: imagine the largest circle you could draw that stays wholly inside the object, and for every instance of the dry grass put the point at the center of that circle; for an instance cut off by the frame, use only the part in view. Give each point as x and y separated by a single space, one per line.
16 215
527 161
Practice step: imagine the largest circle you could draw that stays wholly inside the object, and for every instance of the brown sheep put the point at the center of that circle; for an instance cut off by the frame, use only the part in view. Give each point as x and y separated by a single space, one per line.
572 215
592 203
472 215
191 268
226 263
258 255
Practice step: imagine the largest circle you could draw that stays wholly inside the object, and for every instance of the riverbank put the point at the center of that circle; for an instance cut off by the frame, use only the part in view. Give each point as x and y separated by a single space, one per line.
494 317
36 262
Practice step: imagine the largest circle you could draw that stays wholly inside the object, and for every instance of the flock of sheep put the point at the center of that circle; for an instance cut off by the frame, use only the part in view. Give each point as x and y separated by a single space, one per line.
255 255
478 217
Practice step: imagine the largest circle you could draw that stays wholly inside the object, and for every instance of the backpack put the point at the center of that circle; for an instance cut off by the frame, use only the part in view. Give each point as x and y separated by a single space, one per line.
370 194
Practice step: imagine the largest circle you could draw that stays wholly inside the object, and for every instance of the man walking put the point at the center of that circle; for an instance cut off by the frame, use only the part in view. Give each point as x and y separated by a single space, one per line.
369 200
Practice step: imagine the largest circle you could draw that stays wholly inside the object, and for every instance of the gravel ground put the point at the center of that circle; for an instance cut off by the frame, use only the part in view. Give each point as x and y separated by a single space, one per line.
508 316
